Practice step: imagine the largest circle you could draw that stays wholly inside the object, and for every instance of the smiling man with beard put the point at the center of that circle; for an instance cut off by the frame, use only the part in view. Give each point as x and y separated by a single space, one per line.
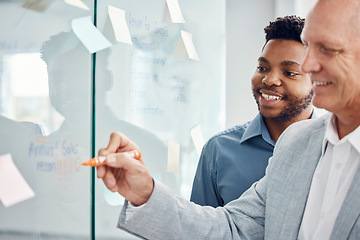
234 159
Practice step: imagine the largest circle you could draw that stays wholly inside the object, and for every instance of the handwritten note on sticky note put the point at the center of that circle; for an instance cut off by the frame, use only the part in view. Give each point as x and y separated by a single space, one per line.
89 35
197 137
13 186
121 30
172 8
173 157
77 3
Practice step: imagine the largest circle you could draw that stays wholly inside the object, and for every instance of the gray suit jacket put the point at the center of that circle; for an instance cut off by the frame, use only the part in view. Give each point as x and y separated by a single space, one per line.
271 209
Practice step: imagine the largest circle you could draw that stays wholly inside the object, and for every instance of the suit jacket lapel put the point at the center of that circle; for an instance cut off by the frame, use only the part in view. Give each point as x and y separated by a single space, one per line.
349 212
299 186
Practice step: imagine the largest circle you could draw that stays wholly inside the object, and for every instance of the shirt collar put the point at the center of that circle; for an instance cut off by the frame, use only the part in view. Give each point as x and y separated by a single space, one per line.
332 136
313 115
331 133
354 139
256 128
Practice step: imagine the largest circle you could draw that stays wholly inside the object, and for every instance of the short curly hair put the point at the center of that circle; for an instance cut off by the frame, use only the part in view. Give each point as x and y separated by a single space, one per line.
288 28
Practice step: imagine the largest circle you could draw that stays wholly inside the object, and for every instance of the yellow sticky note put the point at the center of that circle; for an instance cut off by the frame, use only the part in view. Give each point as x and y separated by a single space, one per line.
197 137
121 30
77 3
173 161
172 10
37 5
185 45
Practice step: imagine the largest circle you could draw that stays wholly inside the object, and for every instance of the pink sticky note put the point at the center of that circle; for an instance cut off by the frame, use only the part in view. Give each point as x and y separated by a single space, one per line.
13 186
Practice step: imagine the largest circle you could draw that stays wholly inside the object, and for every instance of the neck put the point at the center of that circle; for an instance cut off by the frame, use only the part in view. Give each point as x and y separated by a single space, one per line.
277 126
346 124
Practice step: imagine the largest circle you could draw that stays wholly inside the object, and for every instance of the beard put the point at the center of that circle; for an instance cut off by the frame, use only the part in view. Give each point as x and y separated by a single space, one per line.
295 107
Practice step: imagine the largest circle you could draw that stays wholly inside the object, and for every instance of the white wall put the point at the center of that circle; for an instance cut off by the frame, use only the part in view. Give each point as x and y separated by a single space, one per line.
245 37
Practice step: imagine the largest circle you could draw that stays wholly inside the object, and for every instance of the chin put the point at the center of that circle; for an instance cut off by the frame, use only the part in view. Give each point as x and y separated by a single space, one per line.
266 114
320 103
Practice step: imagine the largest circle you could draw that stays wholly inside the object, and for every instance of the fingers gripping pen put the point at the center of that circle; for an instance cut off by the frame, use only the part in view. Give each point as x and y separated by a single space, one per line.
98 161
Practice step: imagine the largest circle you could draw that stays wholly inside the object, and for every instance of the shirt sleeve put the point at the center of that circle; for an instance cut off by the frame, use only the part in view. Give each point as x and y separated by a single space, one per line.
204 189
131 210
167 216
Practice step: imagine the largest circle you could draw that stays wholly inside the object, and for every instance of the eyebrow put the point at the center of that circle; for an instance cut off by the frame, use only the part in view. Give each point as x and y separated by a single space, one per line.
262 59
289 63
283 63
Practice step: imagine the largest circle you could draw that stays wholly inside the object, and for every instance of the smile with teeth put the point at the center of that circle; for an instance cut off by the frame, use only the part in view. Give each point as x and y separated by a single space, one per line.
270 97
315 83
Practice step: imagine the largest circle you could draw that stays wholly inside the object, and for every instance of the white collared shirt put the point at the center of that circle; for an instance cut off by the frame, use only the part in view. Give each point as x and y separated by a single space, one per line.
333 176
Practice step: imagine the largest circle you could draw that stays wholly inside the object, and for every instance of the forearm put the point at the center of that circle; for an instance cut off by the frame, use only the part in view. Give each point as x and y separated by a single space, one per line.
166 216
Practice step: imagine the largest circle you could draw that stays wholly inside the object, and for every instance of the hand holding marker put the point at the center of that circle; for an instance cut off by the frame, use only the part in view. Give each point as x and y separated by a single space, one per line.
98 161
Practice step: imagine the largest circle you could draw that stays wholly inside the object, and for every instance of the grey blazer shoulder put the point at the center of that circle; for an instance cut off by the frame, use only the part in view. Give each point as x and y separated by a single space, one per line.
271 209
299 133
289 176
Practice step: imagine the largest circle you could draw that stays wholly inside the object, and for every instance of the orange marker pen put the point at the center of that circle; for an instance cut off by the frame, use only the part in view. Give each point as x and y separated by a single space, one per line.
98 161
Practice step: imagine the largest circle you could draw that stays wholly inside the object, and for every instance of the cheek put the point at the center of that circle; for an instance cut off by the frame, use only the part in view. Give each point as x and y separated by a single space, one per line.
299 90
256 80
342 69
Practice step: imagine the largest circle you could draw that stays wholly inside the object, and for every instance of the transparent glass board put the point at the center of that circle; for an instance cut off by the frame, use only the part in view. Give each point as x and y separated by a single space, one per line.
67 80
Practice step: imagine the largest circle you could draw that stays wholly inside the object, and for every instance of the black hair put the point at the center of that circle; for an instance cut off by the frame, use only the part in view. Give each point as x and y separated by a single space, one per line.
288 28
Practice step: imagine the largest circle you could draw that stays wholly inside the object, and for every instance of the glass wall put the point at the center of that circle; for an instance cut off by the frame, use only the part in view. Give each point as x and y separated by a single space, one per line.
67 82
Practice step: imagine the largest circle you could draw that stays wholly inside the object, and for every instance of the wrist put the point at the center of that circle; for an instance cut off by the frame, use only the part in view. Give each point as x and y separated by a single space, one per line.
146 194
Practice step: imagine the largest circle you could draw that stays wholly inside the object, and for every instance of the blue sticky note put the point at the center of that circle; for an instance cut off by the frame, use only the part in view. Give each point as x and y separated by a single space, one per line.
89 35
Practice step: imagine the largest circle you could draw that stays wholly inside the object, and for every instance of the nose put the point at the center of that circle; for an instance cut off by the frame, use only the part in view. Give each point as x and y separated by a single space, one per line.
311 63
272 78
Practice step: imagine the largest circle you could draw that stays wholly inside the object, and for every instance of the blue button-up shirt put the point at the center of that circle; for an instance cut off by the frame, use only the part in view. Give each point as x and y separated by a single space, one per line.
231 162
